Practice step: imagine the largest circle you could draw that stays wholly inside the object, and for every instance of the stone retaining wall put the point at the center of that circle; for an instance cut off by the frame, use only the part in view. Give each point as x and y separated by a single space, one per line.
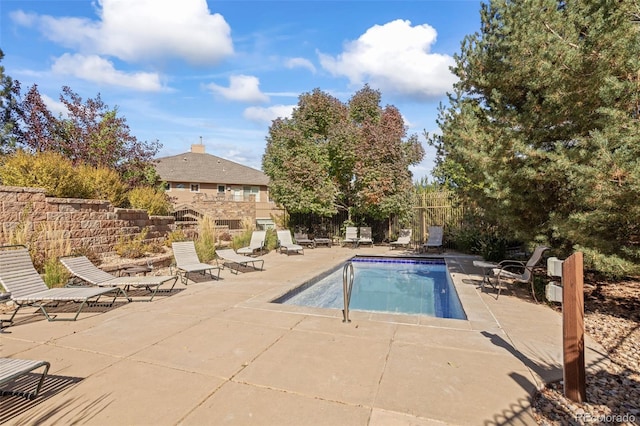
85 223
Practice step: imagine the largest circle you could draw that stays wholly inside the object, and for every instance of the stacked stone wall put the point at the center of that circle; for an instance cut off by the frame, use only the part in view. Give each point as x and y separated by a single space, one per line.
85 223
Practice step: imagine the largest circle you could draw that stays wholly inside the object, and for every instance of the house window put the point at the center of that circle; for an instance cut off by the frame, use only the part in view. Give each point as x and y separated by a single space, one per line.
167 186
180 186
195 187
221 189
251 190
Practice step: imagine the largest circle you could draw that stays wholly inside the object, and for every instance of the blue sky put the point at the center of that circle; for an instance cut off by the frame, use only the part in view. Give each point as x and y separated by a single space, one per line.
182 70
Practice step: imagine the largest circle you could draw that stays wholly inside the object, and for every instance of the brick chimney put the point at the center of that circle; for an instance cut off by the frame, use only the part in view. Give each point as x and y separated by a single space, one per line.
197 148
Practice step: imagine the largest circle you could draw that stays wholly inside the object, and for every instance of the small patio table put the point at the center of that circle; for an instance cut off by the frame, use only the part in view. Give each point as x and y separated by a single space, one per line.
487 267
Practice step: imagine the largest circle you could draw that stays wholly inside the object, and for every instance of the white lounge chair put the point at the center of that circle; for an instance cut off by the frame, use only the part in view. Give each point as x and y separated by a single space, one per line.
434 239
235 261
285 243
11 369
403 240
351 236
19 277
304 240
365 236
256 243
82 268
187 261
517 271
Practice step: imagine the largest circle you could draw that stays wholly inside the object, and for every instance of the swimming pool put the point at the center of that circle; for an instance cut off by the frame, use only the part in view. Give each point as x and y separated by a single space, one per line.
385 284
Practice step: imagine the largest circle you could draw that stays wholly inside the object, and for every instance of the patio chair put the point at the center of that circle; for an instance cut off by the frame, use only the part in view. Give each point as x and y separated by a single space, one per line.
285 243
303 240
434 239
19 277
403 240
187 261
365 236
12 369
82 269
517 271
256 243
238 260
351 236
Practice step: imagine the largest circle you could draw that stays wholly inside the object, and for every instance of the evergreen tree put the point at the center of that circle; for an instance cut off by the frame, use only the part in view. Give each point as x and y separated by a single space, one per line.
542 128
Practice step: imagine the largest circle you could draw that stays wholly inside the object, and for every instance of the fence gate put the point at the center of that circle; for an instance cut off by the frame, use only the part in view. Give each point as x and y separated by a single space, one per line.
438 208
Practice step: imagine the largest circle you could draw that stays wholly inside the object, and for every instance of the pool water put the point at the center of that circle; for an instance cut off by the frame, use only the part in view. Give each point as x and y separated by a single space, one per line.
385 284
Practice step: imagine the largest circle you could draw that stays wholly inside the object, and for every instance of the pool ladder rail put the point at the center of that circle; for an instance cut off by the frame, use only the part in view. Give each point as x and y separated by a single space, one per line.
347 286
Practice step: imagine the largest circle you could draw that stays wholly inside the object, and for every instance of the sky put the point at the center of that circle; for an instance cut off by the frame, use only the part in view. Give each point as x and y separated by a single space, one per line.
184 72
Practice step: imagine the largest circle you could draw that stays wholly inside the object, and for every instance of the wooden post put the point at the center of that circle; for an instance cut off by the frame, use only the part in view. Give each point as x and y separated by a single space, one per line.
573 327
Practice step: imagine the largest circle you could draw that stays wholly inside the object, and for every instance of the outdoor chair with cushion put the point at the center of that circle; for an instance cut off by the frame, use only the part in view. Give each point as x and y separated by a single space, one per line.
365 236
82 269
187 261
434 239
19 277
256 243
351 236
235 261
403 240
285 243
517 271
13 370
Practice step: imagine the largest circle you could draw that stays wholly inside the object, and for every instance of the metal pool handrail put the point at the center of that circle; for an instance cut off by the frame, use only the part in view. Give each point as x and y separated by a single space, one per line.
347 286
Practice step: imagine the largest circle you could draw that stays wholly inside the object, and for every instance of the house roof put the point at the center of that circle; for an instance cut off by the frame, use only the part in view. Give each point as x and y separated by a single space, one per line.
207 168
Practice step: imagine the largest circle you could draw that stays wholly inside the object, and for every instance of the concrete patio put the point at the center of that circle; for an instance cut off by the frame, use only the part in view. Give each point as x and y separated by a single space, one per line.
218 352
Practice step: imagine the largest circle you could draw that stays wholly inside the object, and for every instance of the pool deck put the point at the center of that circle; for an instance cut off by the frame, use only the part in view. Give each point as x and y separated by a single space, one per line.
217 352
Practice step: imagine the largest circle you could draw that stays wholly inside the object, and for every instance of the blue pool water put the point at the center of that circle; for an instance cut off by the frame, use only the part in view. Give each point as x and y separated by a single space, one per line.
385 284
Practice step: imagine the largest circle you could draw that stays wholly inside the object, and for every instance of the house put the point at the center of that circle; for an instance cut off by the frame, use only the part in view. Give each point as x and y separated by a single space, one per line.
199 183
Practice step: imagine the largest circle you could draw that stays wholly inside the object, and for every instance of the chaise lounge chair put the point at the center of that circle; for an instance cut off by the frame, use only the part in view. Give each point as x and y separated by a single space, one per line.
187 261
82 268
256 243
20 278
517 271
303 240
351 236
285 243
238 260
403 240
11 369
434 239
365 236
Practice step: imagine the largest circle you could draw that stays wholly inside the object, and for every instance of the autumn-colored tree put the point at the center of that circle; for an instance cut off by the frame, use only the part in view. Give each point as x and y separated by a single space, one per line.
332 156
90 133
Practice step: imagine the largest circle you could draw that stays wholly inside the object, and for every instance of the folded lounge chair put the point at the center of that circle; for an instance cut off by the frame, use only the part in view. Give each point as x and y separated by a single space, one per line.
256 243
285 243
20 278
434 239
351 236
238 260
12 369
187 261
517 271
365 236
82 268
403 240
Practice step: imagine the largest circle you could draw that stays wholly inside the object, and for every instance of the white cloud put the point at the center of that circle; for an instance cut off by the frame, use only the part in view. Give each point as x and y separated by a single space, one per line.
138 30
98 70
395 58
56 107
267 115
300 63
243 88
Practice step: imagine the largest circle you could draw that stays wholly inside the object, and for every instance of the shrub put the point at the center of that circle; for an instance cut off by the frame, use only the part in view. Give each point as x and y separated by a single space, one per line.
154 201
206 241
55 274
48 170
132 247
175 237
104 184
